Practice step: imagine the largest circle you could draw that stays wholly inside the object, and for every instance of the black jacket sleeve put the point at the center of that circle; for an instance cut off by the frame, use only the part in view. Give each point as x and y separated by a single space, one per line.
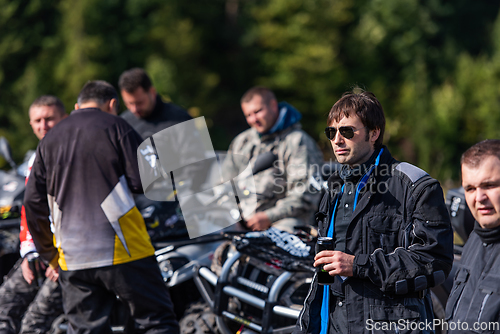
426 257
36 204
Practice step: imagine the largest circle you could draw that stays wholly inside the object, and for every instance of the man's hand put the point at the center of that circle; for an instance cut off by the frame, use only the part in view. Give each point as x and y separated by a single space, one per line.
335 262
52 273
28 275
259 222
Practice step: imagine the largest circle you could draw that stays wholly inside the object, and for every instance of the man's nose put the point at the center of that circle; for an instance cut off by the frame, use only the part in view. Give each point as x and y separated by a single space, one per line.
131 106
338 138
251 119
481 195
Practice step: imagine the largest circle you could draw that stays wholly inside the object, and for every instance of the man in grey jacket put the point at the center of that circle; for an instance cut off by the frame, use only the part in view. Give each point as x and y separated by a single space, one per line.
284 198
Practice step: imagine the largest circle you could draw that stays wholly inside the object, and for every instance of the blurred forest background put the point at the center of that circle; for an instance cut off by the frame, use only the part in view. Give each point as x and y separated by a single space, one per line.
434 64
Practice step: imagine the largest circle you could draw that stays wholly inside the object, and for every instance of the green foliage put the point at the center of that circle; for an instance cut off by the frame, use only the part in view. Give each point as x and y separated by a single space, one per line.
434 64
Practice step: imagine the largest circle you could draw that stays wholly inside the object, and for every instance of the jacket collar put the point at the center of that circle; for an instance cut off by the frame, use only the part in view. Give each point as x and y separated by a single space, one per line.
82 110
157 109
335 182
288 116
487 235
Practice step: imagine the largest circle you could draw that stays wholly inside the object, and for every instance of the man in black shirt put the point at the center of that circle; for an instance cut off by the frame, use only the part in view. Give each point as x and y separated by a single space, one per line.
147 113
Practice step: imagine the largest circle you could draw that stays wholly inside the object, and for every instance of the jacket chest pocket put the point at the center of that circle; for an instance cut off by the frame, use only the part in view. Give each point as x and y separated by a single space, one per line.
383 232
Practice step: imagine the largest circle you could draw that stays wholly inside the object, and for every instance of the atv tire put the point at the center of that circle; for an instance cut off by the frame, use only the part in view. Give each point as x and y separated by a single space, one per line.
198 319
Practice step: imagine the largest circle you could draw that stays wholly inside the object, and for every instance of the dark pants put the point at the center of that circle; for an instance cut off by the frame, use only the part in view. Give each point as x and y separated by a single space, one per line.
39 306
89 295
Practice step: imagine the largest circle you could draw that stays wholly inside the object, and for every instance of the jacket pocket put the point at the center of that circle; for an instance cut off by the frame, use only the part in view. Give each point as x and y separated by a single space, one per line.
394 319
456 293
487 303
383 232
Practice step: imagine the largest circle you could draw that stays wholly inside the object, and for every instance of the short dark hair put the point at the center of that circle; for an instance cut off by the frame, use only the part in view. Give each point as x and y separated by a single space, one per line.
266 94
134 78
98 91
47 101
366 106
475 155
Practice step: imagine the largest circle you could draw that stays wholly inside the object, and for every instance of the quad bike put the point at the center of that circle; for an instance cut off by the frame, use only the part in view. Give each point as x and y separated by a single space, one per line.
253 288
257 283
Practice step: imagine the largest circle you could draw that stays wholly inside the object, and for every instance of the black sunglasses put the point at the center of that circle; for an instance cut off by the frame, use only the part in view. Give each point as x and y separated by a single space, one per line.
345 131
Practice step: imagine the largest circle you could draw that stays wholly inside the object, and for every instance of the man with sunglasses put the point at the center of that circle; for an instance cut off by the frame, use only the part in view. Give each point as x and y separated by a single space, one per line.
276 139
391 230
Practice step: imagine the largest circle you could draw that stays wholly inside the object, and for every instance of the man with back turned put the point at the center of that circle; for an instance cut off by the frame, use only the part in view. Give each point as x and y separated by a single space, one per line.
83 176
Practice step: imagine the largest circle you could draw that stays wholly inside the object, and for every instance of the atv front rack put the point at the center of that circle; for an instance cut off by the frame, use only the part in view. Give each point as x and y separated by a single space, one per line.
217 290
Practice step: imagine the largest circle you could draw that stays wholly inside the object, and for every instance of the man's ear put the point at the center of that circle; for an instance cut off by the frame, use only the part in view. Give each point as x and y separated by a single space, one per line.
113 106
110 107
77 106
374 134
273 104
152 91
